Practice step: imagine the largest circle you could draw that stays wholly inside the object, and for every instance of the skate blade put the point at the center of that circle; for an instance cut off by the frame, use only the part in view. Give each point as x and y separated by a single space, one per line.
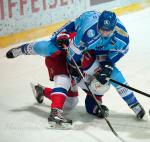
62 126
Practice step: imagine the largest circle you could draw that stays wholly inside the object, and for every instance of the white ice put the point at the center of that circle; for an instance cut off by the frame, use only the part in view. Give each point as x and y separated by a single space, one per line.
23 120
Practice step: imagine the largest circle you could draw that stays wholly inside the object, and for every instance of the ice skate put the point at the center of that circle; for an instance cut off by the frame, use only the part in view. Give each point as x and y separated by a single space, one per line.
38 92
57 121
14 52
139 110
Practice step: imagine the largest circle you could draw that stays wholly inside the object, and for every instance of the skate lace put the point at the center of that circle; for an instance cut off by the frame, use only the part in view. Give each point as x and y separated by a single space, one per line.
57 113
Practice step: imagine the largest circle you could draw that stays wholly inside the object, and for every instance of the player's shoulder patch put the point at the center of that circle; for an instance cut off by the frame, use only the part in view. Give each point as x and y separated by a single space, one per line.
90 33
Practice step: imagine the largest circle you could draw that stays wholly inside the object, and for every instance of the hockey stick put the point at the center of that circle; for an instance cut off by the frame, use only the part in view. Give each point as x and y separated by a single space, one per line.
101 109
129 87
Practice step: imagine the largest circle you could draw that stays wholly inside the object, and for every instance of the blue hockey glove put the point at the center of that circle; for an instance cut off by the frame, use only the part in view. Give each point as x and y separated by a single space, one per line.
105 73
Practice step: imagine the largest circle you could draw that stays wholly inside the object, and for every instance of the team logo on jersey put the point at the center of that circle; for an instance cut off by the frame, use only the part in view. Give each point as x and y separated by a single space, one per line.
90 33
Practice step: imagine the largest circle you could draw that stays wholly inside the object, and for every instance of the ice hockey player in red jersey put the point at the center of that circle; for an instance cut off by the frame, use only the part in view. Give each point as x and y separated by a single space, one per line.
64 95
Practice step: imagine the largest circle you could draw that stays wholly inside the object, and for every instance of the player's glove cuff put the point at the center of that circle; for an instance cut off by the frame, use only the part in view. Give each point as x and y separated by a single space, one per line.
105 73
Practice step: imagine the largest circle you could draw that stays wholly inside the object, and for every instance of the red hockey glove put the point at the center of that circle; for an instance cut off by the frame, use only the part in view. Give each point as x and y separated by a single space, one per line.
63 39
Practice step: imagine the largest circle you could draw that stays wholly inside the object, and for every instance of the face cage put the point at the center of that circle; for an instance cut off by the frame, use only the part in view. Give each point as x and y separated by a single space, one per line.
109 33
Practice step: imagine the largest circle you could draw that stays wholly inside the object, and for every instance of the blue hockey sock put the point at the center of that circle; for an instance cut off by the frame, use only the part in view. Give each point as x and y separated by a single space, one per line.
127 95
27 49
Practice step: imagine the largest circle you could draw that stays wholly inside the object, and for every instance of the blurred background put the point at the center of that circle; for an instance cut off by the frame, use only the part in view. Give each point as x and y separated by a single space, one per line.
26 20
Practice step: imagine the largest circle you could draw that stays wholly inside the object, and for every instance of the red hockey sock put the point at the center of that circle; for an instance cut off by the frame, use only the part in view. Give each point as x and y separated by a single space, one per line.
47 93
57 101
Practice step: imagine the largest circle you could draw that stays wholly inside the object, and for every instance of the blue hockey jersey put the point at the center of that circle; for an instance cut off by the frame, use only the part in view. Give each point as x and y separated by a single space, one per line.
88 37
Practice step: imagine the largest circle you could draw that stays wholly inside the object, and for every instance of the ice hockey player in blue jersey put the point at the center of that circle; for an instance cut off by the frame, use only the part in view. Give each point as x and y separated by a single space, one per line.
105 35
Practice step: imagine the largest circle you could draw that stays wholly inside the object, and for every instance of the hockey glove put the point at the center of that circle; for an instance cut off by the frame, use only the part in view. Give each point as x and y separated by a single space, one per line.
74 72
63 38
103 113
105 73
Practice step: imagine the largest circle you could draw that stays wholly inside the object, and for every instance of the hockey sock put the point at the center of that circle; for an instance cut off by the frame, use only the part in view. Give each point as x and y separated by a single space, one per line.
130 99
27 49
127 95
58 97
47 92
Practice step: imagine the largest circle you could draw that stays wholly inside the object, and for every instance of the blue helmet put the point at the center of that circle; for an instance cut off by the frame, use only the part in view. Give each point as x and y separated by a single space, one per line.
107 20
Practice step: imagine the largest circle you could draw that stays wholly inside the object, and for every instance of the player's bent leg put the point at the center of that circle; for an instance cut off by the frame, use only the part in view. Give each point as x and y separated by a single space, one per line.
55 119
58 97
127 95
40 92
